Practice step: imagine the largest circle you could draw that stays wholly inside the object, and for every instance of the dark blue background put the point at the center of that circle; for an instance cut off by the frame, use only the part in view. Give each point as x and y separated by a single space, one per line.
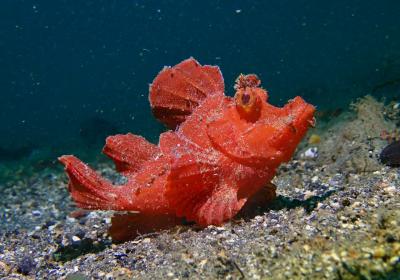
64 62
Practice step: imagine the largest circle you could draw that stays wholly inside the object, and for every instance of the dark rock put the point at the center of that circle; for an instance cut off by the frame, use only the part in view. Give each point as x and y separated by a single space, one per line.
390 155
49 223
83 220
345 202
390 238
80 233
120 255
26 265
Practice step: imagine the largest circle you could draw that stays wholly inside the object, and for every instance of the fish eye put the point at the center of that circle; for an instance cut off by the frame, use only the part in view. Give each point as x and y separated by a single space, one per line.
245 98
248 104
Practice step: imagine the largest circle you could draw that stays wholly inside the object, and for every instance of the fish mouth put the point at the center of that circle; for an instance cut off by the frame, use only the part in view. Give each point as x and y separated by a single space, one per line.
302 114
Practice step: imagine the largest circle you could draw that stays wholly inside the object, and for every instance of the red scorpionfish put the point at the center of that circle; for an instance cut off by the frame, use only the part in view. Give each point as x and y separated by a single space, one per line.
220 155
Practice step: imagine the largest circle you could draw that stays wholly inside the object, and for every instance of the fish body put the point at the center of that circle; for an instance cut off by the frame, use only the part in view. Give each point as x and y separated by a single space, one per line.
220 154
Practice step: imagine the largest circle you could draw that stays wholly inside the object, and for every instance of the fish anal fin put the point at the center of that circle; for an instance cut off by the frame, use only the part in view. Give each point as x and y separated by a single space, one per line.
129 151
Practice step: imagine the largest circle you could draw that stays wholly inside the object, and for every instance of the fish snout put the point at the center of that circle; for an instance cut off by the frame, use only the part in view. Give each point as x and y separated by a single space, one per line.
301 115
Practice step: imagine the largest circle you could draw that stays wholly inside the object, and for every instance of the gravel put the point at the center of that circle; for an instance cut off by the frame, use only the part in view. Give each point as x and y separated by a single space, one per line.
329 221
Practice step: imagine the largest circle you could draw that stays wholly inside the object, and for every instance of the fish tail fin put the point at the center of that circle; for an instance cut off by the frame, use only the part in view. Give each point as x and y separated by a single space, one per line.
91 191
176 91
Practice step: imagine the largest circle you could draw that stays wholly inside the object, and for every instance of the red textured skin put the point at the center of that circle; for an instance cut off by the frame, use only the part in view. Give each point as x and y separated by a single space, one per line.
209 167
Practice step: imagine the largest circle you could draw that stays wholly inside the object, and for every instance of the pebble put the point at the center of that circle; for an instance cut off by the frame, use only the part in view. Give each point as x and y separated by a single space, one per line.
309 194
4 267
75 238
379 252
193 251
36 213
390 190
311 153
394 260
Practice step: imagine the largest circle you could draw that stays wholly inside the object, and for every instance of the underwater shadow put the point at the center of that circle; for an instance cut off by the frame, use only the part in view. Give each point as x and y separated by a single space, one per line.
283 202
85 246
126 226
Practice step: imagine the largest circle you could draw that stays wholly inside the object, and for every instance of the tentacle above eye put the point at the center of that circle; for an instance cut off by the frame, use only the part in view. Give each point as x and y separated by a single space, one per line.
249 97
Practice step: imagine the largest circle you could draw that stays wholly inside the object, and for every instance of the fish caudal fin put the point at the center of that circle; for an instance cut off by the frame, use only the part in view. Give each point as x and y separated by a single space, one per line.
176 91
129 151
90 191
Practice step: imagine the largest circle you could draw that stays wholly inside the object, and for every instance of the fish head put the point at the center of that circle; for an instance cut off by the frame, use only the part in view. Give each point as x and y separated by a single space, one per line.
256 133
266 130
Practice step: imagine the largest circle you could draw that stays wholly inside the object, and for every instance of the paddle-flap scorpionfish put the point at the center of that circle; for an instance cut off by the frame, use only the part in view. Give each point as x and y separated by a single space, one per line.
220 153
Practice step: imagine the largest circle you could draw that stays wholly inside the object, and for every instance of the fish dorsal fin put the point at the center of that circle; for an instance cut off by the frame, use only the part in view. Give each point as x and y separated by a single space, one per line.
178 90
129 151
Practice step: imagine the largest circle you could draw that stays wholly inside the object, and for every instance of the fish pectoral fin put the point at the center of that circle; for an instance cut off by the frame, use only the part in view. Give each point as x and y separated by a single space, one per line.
222 205
129 151
190 182
226 137
178 90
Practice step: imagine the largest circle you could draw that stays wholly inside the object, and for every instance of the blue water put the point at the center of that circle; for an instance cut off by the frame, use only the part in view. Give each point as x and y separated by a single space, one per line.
73 72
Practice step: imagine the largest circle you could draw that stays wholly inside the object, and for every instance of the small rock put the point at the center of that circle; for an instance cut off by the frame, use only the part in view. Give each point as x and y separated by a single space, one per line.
308 194
26 265
390 238
394 260
390 190
4 267
80 233
379 252
75 238
310 153
345 202
36 213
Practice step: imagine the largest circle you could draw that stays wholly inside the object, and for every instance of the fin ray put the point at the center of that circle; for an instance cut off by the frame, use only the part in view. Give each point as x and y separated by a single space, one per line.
129 151
176 91
91 191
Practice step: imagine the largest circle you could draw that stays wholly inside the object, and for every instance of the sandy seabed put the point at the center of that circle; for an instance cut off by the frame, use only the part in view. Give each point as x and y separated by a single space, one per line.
337 216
